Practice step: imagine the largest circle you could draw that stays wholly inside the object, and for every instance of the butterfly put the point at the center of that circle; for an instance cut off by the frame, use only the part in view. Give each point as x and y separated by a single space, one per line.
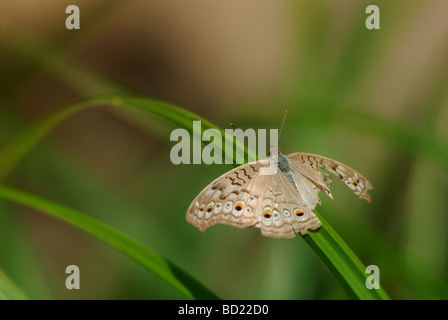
280 204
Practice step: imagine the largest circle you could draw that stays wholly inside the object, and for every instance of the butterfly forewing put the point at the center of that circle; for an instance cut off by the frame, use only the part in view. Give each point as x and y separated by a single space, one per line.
311 166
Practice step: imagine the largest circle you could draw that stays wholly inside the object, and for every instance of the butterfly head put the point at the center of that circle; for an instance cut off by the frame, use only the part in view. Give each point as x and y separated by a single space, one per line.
274 149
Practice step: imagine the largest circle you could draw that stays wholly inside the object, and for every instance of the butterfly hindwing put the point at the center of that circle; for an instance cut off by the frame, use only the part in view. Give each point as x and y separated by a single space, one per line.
283 210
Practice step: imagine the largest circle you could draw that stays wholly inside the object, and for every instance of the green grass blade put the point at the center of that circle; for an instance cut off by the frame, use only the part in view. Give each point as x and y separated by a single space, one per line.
135 250
342 262
9 290
16 149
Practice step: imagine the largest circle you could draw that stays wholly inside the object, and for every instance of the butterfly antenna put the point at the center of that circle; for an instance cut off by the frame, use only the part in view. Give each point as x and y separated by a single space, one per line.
283 122
232 125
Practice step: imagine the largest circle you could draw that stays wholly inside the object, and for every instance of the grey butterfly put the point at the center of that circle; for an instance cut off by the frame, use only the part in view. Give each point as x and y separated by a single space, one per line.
280 204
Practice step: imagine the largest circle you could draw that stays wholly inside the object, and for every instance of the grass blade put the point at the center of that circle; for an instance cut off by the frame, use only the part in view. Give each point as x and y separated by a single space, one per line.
9 290
16 149
135 250
342 262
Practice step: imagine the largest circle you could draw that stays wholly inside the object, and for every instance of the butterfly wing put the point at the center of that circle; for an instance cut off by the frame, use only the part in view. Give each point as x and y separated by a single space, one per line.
230 199
243 198
282 210
311 166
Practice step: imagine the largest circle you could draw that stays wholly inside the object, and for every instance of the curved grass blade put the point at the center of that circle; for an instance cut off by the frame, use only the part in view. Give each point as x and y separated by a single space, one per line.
342 262
9 290
135 250
17 148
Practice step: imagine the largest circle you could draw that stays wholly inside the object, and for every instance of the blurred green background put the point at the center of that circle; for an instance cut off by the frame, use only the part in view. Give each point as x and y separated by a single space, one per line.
375 100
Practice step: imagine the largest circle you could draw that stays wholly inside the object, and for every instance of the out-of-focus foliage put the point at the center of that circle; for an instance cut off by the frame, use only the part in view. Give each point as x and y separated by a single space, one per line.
375 100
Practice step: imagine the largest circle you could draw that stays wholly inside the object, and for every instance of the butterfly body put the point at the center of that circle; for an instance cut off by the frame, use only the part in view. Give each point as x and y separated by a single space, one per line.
280 204
285 168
